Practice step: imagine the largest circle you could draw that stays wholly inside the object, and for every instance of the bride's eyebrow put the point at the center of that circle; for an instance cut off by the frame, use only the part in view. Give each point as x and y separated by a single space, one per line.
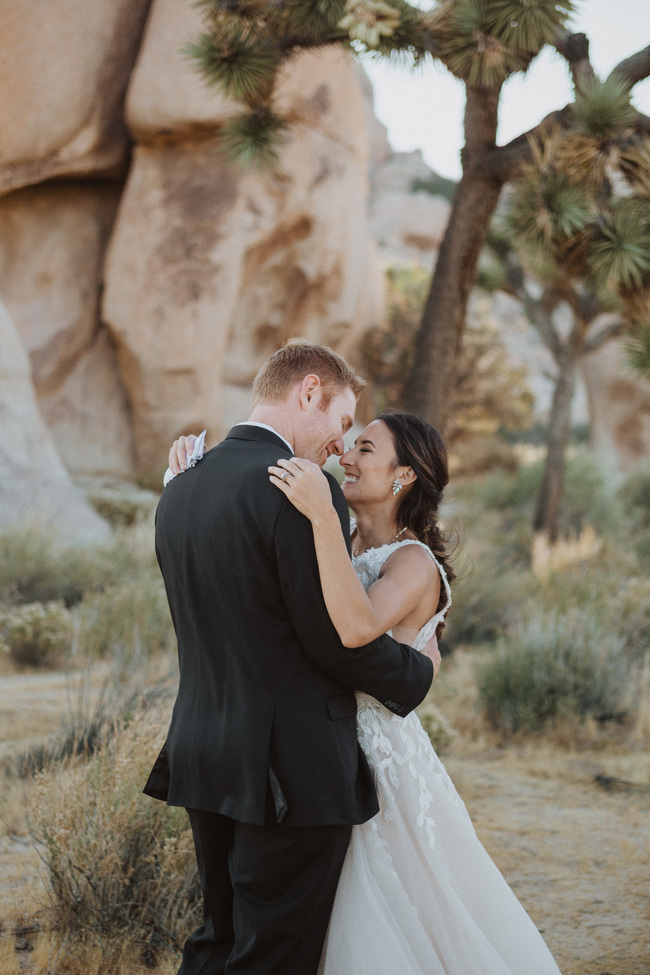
365 441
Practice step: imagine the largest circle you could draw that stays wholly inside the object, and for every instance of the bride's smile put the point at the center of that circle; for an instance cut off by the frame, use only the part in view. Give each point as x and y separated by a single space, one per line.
370 466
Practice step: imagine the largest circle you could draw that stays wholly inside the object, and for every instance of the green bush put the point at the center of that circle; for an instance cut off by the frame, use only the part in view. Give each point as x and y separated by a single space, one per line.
36 633
485 603
553 666
130 621
121 866
35 568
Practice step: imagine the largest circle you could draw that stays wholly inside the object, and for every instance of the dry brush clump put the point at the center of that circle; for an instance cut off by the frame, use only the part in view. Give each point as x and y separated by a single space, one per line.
561 636
120 866
36 634
62 606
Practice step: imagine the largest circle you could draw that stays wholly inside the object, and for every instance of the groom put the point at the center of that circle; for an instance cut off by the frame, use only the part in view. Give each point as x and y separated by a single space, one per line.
262 747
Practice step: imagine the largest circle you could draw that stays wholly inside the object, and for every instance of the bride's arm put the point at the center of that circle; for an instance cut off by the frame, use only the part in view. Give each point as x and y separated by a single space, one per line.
358 616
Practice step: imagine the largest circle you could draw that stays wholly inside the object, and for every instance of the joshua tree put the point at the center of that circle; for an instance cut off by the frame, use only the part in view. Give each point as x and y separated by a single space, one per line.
482 42
577 223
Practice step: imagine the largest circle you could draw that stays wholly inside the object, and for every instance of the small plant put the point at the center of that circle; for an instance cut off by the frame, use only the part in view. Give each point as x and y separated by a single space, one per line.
128 621
121 866
440 732
36 633
551 667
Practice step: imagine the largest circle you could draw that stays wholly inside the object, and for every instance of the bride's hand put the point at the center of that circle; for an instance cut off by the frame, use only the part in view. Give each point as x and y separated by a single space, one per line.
180 452
305 485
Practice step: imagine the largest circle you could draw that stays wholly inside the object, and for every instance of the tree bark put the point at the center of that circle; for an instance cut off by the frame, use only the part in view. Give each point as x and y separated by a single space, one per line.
550 496
440 334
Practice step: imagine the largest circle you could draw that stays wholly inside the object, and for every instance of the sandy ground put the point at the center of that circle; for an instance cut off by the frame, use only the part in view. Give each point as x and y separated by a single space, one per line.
576 854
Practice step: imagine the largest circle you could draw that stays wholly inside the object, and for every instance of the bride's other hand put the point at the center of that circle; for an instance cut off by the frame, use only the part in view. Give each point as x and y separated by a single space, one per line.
305 485
180 453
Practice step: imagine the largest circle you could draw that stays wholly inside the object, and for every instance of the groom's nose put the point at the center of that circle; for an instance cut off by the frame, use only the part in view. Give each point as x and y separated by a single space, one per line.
336 447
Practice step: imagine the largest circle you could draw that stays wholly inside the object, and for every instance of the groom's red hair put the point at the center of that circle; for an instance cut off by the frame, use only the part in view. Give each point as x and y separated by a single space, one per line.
298 359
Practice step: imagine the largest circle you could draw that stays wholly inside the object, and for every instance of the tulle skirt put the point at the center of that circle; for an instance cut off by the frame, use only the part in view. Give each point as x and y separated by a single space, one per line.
418 893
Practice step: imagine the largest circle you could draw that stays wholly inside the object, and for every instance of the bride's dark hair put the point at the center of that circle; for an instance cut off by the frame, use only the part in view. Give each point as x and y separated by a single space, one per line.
420 446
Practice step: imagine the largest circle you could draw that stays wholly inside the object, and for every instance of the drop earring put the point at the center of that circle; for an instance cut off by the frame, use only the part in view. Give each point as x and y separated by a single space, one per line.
397 486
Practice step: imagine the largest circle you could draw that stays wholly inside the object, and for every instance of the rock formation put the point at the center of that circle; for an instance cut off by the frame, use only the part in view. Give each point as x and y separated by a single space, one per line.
146 278
35 488
619 406
52 243
64 69
209 269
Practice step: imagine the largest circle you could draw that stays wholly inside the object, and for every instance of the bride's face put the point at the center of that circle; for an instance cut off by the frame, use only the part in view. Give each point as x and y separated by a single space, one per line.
370 466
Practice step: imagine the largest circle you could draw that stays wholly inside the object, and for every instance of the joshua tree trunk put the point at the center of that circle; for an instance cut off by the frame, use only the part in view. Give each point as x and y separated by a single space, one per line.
439 337
550 496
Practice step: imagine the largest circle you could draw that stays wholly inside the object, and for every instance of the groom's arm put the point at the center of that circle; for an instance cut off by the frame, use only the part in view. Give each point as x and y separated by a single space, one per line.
393 673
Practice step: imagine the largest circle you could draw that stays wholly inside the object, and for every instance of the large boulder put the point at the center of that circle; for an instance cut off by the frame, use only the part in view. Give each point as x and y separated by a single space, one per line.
35 488
52 243
619 408
64 68
209 270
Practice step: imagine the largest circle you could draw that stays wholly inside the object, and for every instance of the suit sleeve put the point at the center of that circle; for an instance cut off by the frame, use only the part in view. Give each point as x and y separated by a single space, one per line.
393 673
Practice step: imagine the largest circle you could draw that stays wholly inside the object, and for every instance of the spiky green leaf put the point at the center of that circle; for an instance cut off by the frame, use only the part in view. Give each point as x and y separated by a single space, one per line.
306 21
468 48
637 351
252 140
546 209
525 26
620 253
242 69
602 108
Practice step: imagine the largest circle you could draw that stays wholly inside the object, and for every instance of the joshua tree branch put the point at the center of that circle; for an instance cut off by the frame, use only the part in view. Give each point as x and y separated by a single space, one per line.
575 49
603 335
635 68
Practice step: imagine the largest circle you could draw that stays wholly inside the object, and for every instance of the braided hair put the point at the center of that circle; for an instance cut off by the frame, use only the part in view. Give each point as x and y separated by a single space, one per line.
420 446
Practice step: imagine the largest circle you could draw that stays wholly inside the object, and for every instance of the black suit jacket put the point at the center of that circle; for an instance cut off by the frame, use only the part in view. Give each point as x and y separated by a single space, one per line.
266 689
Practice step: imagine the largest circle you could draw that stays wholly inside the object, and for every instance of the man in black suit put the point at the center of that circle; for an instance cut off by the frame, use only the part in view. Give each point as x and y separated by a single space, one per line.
262 747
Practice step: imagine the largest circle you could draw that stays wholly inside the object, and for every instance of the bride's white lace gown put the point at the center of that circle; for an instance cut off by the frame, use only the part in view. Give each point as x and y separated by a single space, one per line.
418 894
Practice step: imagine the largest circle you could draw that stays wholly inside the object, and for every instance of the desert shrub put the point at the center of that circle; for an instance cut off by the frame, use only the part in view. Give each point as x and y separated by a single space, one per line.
635 494
587 497
123 505
440 732
35 568
474 457
120 866
35 634
130 620
485 602
630 617
500 490
554 666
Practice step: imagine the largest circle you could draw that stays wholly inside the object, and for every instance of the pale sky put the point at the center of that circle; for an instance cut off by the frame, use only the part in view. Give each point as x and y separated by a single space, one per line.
424 109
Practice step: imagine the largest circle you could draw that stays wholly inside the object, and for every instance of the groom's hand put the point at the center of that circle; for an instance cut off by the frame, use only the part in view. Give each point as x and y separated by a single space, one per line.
431 651
180 452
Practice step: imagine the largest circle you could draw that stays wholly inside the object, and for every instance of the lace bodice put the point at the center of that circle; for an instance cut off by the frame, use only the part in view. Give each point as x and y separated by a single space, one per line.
368 566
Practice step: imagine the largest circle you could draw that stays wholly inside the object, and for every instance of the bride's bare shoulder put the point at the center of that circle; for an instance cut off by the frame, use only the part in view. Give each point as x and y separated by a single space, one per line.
414 560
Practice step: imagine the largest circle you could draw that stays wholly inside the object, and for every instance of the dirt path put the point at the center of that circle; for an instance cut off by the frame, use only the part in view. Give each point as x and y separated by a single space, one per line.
577 856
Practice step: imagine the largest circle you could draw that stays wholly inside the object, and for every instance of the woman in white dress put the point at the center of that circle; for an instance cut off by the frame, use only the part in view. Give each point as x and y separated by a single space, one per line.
418 894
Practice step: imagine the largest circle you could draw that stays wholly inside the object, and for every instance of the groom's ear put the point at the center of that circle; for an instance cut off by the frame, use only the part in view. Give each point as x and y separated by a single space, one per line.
310 391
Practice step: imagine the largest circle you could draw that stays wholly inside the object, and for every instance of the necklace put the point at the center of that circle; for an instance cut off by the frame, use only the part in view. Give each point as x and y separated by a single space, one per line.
355 544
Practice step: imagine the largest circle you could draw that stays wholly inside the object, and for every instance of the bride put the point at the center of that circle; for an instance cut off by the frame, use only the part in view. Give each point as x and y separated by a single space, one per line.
418 894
